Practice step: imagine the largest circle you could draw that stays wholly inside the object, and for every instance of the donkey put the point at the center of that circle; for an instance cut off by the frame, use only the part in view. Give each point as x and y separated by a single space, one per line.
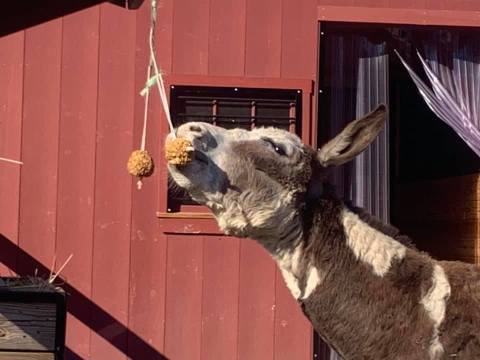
367 292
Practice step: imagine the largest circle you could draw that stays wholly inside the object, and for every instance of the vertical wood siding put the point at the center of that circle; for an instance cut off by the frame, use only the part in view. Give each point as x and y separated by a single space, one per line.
226 46
256 314
70 109
263 38
190 37
220 298
113 185
148 246
183 332
11 101
40 138
76 162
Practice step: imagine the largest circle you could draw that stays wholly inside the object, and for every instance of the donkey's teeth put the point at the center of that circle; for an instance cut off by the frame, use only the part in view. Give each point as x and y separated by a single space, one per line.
179 151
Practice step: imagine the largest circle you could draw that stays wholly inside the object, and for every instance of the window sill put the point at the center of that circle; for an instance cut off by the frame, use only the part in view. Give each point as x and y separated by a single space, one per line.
188 223
184 215
196 219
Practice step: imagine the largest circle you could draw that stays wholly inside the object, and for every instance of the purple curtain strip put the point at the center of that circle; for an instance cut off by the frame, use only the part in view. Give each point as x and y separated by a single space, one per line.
445 106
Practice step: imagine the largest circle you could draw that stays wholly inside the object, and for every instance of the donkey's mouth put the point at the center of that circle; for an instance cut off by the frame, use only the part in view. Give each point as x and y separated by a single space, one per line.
201 157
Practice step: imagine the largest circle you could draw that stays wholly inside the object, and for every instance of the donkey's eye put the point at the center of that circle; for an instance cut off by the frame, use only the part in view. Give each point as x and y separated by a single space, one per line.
279 149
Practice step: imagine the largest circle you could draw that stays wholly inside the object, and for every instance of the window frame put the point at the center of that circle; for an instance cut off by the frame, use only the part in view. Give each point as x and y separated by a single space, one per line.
197 218
214 100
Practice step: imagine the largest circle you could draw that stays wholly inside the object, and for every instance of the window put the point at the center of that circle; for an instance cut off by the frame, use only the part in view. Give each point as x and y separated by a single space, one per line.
232 107
360 69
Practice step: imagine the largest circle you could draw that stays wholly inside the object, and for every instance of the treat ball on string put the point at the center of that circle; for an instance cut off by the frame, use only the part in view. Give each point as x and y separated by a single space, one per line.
140 164
179 151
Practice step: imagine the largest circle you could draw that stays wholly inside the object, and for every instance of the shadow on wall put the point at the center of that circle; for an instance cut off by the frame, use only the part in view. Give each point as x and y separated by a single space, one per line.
78 305
20 15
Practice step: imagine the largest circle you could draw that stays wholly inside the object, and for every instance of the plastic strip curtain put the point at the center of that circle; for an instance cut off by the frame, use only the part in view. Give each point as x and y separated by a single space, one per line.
356 75
454 94
355 78
370 188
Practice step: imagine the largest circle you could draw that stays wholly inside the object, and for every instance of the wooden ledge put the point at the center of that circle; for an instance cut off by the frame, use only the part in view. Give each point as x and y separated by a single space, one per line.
188 223
361 14
184 215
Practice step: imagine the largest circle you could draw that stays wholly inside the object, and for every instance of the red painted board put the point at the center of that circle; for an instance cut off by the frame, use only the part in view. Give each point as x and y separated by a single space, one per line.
164 45
164 32
147 287
263 38
183 326
372 3
147 280
407 4
190 36
11 100
293 333
41 103
220 297
256 303
226 55
148 244
464 5
335 2
299 39
113 185
76 164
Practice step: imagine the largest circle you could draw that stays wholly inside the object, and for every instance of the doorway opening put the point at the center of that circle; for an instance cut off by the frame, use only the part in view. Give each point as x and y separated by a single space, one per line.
420 172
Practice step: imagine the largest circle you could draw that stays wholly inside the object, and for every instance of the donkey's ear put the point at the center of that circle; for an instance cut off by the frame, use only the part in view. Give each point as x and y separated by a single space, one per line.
355 138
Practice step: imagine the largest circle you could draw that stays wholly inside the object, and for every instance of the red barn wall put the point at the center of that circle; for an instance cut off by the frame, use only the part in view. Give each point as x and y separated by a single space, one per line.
70 109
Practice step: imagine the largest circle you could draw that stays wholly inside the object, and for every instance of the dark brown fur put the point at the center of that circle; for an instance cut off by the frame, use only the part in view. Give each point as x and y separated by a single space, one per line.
360 315
460 332
363 316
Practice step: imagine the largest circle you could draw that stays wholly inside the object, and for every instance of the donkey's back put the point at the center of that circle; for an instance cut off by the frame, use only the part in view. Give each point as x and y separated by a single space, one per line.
460 331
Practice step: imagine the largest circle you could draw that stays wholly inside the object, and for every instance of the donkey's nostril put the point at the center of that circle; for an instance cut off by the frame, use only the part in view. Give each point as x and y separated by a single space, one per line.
195 128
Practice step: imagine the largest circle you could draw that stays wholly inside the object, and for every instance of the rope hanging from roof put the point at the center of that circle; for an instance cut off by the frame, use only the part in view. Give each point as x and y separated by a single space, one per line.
140 163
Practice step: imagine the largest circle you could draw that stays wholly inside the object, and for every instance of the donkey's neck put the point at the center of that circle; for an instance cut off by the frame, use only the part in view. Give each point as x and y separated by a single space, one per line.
359 286
336 235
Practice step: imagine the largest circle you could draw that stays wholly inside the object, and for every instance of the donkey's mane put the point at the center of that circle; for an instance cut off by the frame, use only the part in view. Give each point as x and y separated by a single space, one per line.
379 225
329 193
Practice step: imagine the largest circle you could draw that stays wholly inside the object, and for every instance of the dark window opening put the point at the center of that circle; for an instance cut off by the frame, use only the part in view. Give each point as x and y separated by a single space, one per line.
420 145
230 108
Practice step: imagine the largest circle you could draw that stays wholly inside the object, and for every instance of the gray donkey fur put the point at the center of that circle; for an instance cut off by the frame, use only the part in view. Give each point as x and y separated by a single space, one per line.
367 292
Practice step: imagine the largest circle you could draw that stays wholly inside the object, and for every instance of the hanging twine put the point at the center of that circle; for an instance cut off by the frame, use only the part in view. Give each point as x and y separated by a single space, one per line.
140 163
11 161
157 77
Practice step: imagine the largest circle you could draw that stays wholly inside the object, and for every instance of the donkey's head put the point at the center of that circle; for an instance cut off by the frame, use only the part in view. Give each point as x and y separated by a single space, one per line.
257 182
